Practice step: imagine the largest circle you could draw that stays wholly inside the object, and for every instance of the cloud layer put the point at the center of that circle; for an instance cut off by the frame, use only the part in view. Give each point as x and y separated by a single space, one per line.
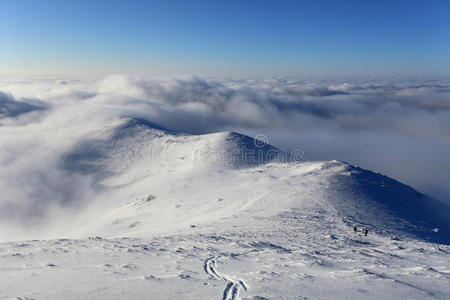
397 126
10 108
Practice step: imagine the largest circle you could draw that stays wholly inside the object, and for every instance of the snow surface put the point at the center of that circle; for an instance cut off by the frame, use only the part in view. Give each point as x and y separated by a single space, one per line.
222 216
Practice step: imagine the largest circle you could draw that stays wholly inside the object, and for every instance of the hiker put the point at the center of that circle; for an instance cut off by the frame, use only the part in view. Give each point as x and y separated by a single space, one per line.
366 231
355 230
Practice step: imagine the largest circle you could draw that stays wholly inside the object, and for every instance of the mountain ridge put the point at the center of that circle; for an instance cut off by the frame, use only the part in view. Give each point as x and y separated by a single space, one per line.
136 151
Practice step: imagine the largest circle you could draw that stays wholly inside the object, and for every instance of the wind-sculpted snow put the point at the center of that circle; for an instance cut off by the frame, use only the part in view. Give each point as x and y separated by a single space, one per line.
299 254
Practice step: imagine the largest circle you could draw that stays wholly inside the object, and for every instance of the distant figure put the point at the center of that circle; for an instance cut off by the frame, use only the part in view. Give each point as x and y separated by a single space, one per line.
366 231
355 230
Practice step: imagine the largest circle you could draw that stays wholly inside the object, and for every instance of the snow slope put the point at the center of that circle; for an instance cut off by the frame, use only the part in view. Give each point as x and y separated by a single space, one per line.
224 216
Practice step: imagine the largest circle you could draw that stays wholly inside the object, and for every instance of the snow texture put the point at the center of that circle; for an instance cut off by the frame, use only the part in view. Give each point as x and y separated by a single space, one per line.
187 217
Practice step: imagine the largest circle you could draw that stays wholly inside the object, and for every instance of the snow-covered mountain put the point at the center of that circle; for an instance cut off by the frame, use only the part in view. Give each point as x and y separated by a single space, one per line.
226 216
155 170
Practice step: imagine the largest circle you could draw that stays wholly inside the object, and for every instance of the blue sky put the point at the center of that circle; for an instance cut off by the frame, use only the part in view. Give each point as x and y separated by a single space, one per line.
224 37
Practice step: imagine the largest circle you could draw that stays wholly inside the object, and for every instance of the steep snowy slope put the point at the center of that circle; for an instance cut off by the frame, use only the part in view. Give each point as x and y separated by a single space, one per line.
388 206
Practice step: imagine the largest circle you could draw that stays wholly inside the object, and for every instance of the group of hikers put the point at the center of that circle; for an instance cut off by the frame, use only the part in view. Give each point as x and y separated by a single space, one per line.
365 231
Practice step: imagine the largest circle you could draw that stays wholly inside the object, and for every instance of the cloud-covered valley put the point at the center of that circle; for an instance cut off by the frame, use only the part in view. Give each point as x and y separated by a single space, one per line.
396 126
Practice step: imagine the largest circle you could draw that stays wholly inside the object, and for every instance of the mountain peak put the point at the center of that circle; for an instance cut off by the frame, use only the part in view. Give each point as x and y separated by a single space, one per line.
129 127
387 205
138 148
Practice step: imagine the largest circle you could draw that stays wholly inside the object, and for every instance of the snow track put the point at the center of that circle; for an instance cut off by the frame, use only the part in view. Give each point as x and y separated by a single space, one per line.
234 285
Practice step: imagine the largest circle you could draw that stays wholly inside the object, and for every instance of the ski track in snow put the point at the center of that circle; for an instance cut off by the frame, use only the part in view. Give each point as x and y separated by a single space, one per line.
234 285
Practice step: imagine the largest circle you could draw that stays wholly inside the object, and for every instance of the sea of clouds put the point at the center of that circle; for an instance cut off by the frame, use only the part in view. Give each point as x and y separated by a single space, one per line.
397 126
